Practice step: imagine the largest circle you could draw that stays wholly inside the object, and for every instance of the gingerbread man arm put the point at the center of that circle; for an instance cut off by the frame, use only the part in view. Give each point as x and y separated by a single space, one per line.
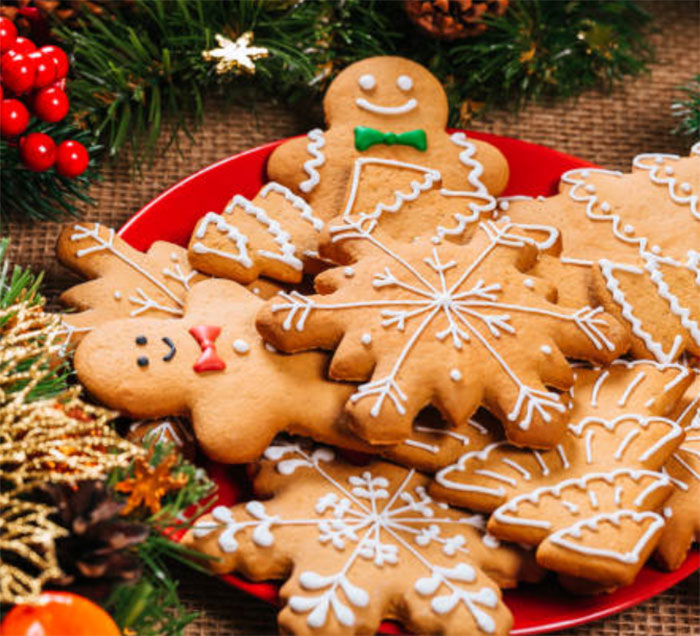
496 172
286 164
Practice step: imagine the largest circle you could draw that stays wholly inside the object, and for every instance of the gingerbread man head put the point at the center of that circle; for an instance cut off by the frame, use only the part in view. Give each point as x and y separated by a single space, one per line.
381 91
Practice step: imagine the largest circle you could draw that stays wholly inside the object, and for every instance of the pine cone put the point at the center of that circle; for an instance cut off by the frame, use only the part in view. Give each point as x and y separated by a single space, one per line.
452 19
100 541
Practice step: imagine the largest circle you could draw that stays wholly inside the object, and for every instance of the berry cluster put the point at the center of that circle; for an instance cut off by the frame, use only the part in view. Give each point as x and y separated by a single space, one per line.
36 78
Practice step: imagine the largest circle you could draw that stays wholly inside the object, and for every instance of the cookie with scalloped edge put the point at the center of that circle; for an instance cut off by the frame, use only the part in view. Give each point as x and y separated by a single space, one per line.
125 282
386 145
682 510
593 505
630 242
443 324
274 235
360 544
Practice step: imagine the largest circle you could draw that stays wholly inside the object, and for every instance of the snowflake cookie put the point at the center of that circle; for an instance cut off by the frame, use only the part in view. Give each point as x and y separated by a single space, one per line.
630 242
386 148
274 235
437 323
212 365
359 544
682 510
592 504
126 282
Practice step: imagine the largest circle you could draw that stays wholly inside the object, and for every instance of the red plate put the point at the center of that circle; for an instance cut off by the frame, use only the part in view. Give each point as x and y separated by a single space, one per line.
535 170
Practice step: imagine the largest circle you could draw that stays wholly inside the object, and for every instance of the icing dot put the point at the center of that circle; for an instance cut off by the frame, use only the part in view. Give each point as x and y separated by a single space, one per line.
605 206
668 512
366 339
435 240
270 348
546 349
141 340
668 170
590 188
349 272
142 361
490 541
656 249
404 82
367 82
504 205
256 290
629 229
240 346
686 187
529 283
117 295
455 375
174 257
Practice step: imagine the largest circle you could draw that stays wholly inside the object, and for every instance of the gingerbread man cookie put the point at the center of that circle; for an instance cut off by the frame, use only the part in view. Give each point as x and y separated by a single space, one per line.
125 282
593 504
385 147
682 510
448 325
359 544
274 235
211 364
631 243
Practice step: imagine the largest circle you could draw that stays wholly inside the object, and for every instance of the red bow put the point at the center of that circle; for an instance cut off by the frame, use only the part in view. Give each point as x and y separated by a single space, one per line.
205 335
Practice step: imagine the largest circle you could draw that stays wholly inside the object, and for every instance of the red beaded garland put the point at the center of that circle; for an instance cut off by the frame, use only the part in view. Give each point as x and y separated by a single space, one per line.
8 34
51 104
18 73
72 158
59 57
38 151
14 117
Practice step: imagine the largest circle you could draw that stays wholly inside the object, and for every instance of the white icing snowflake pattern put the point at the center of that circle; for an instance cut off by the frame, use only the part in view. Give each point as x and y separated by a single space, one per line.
459 306
368 518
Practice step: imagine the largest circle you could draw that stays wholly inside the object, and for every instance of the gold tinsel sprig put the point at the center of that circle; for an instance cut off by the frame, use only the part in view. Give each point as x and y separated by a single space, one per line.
232 56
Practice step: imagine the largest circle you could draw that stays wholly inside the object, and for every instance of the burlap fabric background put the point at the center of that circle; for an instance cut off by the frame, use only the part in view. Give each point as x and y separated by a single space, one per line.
606 129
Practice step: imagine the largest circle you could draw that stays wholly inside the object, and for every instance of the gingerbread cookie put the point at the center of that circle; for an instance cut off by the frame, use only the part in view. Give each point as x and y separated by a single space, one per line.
274 235
359 544
592 505
682 510
453 326
211 364
126 282
632 244
385 147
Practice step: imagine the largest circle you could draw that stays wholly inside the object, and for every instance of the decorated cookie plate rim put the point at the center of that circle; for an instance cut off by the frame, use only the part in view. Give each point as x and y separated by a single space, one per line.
172 215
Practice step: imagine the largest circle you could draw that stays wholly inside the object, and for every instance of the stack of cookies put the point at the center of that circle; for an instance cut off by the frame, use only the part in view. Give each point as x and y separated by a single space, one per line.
518 374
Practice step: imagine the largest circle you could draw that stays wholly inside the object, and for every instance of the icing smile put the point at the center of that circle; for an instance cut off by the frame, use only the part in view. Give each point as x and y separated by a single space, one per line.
171 354
406 107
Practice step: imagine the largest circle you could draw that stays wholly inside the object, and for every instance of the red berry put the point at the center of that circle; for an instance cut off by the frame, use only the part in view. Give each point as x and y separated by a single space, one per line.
38 151
51 104
59 58
18 73
45 69
72 159
23 45
14 117
8 33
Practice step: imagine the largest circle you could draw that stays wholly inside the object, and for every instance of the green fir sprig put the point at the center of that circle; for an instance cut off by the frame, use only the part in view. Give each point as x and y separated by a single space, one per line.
687 110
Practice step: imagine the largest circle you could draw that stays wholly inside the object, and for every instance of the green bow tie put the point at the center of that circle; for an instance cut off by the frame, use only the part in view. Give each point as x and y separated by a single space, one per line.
367 137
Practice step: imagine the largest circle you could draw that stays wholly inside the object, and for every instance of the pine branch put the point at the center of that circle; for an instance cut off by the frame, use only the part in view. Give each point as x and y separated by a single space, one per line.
688 110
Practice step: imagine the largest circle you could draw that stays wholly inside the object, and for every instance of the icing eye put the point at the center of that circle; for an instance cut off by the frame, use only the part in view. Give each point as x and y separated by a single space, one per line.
404 82
141 340
142 361
367 82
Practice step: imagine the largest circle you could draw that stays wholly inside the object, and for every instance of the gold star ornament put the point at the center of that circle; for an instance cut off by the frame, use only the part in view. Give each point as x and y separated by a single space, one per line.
235 56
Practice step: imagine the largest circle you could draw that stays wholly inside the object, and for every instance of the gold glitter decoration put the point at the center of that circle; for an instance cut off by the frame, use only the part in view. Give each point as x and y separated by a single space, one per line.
150 483
27 548
56 439
235 56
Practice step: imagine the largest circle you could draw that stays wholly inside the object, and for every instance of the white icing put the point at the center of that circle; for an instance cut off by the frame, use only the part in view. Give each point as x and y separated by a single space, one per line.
404 82
297 202
630 387
241 346
366 82
117 295
316 142
366 339
455 375
378 109
529 283
349 272
546 349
